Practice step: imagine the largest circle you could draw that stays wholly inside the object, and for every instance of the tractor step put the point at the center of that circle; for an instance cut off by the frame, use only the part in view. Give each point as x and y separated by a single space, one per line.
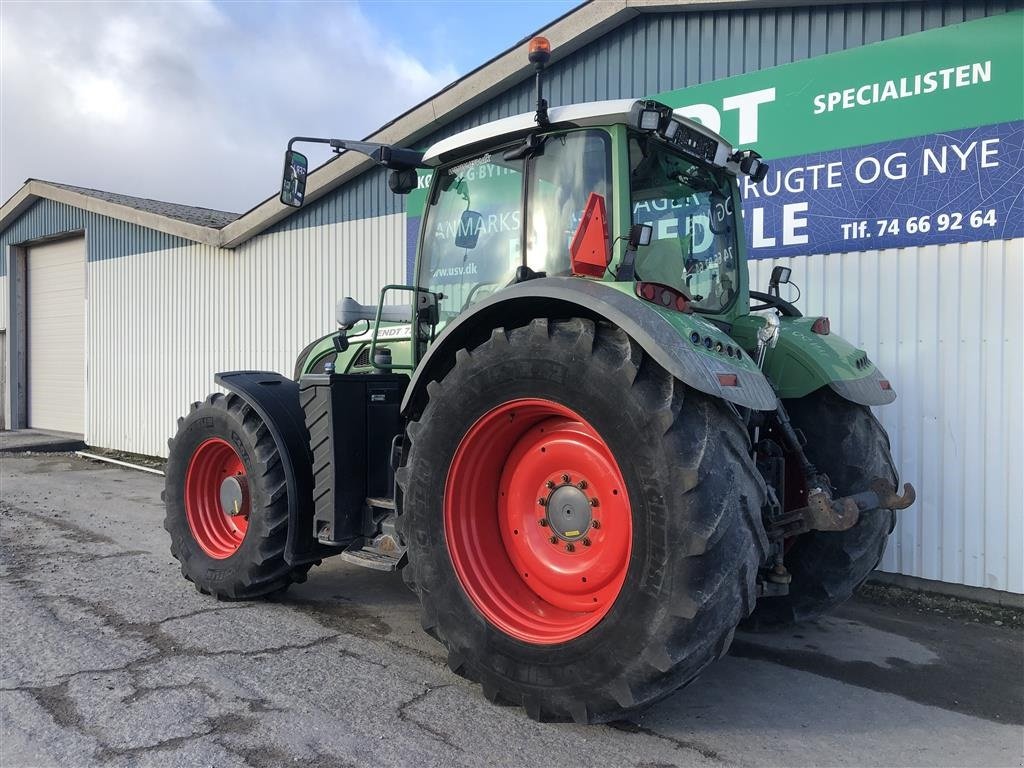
382 551
368 557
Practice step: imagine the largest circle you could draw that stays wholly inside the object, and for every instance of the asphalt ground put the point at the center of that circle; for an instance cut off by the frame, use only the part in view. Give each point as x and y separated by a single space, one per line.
110 658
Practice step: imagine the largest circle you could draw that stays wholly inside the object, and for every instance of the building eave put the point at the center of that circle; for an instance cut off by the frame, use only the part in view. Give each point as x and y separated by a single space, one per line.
34 190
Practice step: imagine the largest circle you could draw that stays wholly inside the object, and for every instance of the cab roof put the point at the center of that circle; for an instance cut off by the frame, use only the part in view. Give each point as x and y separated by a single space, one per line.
571 115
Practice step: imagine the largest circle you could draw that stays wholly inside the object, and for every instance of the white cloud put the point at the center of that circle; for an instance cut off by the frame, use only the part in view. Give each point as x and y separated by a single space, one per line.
189 102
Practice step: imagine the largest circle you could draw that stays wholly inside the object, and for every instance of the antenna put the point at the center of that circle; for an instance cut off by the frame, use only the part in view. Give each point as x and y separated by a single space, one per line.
539 55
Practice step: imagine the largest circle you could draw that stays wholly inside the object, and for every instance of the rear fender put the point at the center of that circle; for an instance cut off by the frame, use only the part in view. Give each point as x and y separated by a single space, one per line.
276 399
663 334
803 361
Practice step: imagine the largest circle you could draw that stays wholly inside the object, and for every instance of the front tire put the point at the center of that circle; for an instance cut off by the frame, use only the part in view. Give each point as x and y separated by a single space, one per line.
226 502
592 630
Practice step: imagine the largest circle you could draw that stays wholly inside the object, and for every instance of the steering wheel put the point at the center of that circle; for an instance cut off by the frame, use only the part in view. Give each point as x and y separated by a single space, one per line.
774 302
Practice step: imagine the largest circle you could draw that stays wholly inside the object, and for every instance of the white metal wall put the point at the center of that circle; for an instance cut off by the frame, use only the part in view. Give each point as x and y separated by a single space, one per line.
160 324
945 324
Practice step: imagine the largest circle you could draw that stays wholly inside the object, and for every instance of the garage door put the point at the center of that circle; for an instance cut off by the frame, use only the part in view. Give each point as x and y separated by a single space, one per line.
55 289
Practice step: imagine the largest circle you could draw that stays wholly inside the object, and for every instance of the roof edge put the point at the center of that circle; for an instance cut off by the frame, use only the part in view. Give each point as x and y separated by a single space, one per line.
33 190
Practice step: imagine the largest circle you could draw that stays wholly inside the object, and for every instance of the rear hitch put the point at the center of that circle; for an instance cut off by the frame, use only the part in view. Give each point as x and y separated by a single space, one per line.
825 513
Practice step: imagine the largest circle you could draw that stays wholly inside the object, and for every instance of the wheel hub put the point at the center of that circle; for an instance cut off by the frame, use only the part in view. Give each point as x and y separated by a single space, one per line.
234 494
569 512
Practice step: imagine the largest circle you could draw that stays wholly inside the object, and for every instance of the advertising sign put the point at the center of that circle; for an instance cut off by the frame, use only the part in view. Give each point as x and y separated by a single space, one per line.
912 141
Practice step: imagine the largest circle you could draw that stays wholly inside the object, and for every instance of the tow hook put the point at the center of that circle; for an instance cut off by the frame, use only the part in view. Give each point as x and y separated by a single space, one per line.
824 513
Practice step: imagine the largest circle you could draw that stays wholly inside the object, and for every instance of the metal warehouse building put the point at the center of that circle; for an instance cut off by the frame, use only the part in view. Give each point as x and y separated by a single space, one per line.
115 311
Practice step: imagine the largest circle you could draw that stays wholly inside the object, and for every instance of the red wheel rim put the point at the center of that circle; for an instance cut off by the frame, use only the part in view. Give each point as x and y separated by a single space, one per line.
538 521
218 533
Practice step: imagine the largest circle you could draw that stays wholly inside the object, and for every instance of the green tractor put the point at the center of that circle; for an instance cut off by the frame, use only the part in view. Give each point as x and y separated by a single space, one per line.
591 448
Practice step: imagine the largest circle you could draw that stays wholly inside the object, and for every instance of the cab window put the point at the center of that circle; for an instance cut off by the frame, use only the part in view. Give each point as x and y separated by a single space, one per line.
561 179
473 232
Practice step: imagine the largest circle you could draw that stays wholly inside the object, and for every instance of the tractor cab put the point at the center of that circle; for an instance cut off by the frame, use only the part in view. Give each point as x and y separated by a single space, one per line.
624 192
514 207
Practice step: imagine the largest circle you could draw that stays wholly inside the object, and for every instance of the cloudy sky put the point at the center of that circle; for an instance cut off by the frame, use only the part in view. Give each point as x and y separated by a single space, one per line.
194 102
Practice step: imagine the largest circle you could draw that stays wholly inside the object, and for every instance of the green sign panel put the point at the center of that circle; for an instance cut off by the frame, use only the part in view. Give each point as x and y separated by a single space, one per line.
944 79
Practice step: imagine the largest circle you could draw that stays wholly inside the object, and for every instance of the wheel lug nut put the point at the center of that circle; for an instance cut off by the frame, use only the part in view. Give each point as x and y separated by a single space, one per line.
595 503
582 484
549 484
570 547
595 524
566 479
542 501
586 542
553 539
543 522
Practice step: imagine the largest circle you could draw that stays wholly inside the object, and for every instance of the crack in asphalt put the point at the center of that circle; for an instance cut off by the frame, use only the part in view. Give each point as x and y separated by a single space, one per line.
406 717
629 726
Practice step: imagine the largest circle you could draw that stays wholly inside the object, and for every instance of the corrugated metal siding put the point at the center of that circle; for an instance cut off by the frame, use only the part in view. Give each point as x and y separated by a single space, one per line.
160 324
944 324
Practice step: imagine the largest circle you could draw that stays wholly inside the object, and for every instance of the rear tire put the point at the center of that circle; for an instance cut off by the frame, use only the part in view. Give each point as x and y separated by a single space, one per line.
692 496
848 444
230 557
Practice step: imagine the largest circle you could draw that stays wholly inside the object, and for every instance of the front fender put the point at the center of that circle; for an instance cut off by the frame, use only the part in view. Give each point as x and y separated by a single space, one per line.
803 361
276 399
663 334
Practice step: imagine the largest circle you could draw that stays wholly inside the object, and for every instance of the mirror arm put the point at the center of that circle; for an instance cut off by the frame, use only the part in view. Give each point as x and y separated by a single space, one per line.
395 158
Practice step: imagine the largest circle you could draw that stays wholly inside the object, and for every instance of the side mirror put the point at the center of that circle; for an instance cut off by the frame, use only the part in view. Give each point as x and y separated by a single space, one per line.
470 225
293 182
780 276
640 234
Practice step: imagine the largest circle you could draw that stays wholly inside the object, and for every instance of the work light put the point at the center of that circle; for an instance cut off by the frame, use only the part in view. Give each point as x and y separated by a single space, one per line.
649 119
